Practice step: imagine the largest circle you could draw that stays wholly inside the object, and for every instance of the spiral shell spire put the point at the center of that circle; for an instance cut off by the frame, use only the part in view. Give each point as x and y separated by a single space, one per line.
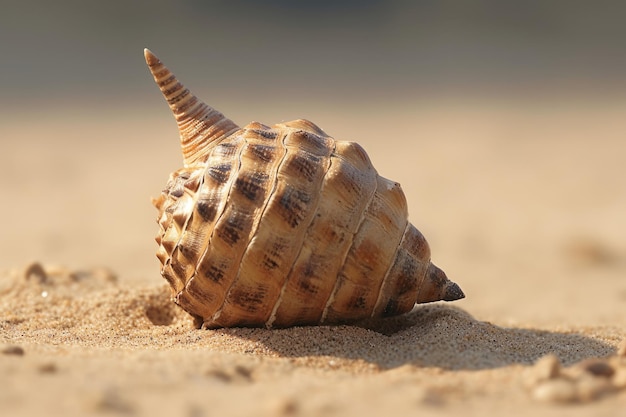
201 127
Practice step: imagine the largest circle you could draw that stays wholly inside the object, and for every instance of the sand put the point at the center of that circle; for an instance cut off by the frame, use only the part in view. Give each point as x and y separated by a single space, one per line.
522 202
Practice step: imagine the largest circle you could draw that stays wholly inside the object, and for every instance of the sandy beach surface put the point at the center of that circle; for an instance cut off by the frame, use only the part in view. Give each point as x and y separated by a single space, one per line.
523 202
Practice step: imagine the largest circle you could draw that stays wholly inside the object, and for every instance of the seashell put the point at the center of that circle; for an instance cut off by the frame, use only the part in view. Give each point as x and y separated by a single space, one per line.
284 225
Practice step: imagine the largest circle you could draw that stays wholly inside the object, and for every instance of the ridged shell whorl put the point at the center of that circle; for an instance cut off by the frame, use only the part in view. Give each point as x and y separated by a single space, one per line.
284 225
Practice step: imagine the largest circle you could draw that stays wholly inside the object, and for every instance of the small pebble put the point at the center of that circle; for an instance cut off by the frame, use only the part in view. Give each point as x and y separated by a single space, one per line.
47 368
238 373
591 388
597 367
546 368
109 401
586 381
556 390
219 374
12 350
430 397
36 273
589 252
621 349
283 407
243 372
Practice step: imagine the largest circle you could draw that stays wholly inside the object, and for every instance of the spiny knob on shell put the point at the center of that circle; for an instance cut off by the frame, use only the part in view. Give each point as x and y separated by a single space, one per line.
284 225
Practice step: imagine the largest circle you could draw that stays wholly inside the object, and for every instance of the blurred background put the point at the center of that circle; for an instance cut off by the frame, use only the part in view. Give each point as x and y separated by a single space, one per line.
504 122
357 47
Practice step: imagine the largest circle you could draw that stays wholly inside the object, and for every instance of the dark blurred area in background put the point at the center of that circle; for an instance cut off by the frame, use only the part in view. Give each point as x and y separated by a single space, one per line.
53 50
503 120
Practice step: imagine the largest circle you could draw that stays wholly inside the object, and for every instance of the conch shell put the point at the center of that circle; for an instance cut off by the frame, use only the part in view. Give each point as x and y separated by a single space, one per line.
284 225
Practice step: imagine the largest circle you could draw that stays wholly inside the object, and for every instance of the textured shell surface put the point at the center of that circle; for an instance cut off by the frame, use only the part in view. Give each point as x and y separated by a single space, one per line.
284 225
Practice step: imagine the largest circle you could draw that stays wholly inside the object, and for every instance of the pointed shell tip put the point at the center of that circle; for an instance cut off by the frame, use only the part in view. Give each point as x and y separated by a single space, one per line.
151 59
453 292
